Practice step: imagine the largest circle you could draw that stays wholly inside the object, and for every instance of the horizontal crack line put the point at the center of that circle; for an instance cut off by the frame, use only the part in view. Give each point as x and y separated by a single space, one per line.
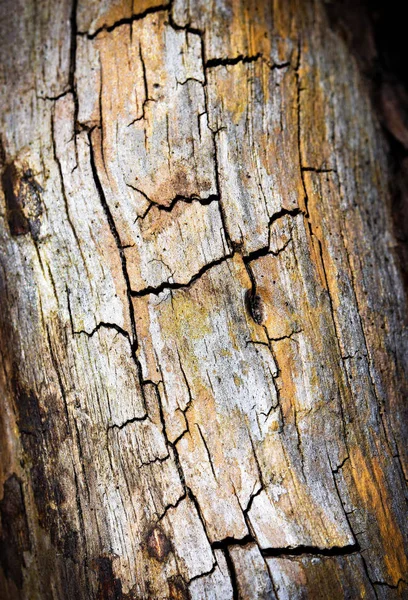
177 199
174 285
252 256
216 62
99 326
125 21
128 422
226 61
288 551
312 550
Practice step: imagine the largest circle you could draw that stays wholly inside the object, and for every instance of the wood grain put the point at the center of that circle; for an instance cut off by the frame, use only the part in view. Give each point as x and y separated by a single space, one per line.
203 322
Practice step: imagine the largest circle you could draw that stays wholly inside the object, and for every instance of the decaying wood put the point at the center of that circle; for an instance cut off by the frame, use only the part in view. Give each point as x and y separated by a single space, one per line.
203 323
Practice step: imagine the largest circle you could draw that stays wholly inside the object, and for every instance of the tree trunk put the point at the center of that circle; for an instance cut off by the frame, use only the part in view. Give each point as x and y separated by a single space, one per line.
203 320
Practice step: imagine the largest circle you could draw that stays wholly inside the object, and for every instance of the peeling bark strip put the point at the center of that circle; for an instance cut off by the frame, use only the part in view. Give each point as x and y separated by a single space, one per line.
203 340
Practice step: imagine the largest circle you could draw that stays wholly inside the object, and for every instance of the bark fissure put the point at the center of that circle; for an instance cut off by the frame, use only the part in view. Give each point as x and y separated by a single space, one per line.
199 377
72 60
210 460
216 62
129 422
115 234
101 325
168 285
204 201
126 20
289 550
312 550
64 195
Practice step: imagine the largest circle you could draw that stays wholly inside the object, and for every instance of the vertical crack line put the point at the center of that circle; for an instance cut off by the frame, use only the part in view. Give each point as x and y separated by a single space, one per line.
299 130
64 191
259 469
188 29
188 490
82 531
223 214
190 396
276 384
59 378
112 226
73 43
145 84
232 573
338 338
207 450
356 543
115 234
275 589
370 365
312 234
72 64
342 504
252 291
214 141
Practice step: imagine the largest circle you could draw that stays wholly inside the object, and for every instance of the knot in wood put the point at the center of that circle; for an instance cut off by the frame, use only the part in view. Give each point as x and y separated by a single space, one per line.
255 307
23 201
158 545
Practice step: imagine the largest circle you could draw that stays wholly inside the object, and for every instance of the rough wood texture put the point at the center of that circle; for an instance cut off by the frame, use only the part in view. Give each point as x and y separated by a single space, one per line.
203 323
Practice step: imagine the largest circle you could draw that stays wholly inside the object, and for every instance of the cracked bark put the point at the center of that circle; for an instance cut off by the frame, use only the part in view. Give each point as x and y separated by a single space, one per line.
203 320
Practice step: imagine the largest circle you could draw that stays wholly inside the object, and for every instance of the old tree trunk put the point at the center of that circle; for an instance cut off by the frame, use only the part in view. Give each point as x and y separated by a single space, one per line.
203 344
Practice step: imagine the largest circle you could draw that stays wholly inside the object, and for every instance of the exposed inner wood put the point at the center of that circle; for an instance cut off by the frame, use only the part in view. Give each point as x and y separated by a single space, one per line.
204 361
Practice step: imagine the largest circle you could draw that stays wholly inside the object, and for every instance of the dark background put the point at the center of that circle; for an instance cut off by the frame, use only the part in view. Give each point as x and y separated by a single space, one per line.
377 33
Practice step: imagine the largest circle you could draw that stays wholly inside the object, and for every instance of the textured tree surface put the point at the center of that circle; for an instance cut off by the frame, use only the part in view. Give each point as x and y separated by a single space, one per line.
203 320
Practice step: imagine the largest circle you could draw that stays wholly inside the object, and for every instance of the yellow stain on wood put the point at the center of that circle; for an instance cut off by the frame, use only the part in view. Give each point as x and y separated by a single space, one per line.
189 319
372 489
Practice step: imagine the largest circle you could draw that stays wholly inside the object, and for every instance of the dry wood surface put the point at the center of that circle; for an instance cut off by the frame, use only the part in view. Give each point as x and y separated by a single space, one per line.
204 351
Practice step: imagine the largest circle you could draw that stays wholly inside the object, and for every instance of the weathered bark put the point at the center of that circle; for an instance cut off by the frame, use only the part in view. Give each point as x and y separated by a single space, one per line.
203 322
